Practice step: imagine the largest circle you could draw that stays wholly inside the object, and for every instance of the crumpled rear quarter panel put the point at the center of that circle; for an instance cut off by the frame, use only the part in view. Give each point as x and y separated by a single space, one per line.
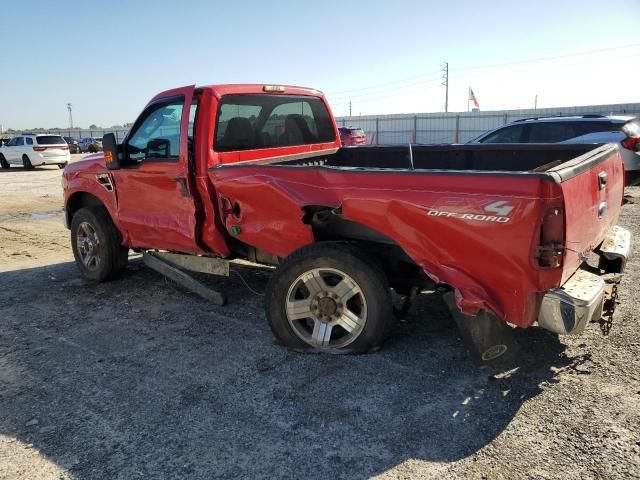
489 263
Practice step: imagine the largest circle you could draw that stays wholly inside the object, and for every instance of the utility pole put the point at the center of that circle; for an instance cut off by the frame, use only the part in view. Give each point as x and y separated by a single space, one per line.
349 108
445 78
70 115
535 103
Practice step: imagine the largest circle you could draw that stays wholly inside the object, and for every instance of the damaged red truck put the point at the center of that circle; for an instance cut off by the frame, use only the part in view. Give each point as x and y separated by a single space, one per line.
513 234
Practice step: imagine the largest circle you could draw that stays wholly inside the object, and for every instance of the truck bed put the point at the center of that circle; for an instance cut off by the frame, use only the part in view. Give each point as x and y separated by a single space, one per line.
461 210
483 157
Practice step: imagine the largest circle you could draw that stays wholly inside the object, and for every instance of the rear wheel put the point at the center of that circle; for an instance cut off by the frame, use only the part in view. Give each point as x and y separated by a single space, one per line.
26 163
3 162
96 245
91 149
329 298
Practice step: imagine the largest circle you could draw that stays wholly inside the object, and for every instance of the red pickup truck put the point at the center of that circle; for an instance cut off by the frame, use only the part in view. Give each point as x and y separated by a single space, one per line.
517 234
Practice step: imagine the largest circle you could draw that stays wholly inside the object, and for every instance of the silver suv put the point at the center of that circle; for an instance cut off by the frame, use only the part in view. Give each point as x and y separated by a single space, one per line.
591 128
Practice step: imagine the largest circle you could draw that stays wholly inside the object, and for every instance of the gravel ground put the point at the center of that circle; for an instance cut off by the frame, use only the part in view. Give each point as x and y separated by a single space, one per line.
140 379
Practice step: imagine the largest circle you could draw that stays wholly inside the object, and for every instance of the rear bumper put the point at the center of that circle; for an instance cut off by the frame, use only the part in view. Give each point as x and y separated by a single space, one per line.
568 309
57 160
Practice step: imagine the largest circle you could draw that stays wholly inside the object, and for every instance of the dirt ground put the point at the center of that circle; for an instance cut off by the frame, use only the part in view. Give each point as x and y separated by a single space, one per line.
140 379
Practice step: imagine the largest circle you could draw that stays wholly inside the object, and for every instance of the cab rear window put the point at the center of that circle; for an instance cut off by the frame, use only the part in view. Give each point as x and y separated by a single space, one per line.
50 140
249 122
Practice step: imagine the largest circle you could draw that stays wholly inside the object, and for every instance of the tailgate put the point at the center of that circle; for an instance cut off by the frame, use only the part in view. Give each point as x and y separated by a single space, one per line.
592 187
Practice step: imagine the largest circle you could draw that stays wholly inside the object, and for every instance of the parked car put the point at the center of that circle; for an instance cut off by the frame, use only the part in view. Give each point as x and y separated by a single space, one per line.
73 144
352 136
504 231
590 128
90 145
31 150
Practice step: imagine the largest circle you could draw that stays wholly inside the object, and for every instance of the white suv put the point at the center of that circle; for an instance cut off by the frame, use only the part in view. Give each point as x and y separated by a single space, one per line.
30 151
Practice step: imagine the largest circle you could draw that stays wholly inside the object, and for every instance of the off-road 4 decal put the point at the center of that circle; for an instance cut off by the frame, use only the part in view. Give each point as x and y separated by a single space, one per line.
481 210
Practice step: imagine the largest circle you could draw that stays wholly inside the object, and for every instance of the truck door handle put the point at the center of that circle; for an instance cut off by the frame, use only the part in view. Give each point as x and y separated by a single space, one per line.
602 180
602 208
183 186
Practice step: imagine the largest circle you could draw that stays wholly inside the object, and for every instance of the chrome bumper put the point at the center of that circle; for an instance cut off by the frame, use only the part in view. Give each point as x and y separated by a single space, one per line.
617 246
568 309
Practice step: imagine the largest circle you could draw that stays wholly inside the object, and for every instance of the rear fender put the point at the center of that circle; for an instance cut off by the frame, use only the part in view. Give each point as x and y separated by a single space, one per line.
267 212
396 220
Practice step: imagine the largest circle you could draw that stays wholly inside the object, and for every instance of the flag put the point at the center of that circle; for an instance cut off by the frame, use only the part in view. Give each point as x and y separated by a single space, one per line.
472 98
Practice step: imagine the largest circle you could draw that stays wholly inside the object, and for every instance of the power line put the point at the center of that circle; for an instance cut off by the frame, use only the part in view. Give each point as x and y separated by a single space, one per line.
405 89
375 85
335 95
549 58
381 97
542 67
435 80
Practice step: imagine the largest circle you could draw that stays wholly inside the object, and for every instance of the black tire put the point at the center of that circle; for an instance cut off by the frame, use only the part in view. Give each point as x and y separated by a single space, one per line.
112 256
91 150
26 163
372 291
62 165
3 162
488 339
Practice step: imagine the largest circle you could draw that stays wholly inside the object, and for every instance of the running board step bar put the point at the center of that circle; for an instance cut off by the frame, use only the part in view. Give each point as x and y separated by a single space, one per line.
170 264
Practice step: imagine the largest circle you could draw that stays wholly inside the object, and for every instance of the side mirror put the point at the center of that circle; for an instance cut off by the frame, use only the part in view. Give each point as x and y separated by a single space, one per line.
112 156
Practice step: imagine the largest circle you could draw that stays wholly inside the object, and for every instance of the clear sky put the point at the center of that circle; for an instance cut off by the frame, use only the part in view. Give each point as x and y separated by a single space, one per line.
108 58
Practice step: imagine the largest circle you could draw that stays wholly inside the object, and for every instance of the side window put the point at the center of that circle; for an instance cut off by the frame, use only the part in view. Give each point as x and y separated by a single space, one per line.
157 137
29 140
512 134
19 141
12 142
585 128
552 132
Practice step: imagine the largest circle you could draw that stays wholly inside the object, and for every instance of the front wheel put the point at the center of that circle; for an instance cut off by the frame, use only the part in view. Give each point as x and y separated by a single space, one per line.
95 242
3 162
62 165
330 298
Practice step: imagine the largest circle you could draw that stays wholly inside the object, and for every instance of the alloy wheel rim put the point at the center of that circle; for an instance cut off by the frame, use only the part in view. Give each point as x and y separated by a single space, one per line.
326 308
88 245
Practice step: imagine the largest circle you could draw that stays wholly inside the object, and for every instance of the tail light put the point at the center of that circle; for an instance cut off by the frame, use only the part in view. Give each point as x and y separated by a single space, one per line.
631 143
57 147
551 247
